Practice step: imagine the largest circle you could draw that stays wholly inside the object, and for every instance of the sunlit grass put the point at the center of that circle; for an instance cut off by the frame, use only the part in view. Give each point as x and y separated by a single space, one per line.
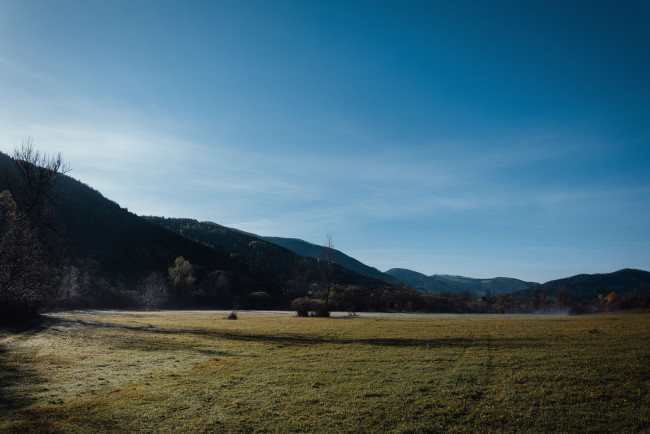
201 372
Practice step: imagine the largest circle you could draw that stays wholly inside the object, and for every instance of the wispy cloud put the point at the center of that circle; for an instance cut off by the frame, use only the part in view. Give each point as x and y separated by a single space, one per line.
604 196
147 163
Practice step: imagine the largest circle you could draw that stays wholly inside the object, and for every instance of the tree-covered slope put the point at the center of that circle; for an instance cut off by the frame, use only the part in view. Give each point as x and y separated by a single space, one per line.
97 228
265 258
438 283
104 241
304 248
585 287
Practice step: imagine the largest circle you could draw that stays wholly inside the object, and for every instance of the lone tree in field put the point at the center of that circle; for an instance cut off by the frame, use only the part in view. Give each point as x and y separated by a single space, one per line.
328 272
27 233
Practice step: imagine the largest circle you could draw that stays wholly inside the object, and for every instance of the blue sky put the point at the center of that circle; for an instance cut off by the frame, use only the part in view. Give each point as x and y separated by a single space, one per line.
468 137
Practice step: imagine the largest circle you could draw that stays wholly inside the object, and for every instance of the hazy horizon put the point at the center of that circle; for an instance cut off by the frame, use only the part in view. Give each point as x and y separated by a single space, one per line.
463 138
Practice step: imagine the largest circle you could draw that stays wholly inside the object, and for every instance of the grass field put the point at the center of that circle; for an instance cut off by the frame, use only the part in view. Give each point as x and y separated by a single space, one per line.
103 371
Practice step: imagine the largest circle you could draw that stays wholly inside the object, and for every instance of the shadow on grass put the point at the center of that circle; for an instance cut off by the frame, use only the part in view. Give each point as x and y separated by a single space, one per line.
432 343
14 375
18 381
308 340
146 338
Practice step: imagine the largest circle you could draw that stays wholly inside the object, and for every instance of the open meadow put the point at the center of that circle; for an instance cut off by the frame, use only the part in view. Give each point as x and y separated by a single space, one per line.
199 372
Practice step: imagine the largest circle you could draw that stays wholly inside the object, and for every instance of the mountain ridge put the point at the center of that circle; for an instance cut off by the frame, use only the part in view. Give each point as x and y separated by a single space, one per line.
437 283
305 248
249 247
587 287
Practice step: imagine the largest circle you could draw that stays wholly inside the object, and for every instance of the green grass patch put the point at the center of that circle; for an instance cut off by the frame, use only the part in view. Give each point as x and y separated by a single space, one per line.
179 372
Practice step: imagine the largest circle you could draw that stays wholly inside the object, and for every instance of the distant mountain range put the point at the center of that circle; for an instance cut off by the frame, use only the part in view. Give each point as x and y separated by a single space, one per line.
585 287
435 284
443 283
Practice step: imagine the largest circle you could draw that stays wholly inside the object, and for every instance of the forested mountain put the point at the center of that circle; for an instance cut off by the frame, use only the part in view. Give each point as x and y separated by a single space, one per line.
304 248
587 287
98 229
107 250
438 283
267 260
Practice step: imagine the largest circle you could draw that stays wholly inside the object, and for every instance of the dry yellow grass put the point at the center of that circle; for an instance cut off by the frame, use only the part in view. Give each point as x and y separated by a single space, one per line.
179 372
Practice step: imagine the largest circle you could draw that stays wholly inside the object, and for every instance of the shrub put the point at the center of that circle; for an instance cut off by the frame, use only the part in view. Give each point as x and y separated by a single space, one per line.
309 307
318 309
302 306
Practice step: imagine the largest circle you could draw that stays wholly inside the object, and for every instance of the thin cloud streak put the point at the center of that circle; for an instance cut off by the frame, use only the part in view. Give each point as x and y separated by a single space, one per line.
400 187
395 185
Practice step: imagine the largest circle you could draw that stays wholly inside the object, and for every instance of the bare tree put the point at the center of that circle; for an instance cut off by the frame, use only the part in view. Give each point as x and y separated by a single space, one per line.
27 248
32 184
25 279
70 288
153 291
328 271
299 279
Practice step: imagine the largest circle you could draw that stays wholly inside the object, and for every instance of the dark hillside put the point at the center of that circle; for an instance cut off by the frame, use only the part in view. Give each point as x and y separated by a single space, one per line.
112 249
95 227
91 226
586 287
266 259
303 248
105 248
418 280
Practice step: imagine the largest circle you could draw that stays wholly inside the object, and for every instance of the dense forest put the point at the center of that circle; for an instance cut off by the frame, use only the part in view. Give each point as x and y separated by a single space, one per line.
63 245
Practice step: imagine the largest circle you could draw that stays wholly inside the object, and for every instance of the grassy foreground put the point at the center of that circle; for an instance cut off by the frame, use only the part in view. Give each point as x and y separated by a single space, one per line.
98 371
